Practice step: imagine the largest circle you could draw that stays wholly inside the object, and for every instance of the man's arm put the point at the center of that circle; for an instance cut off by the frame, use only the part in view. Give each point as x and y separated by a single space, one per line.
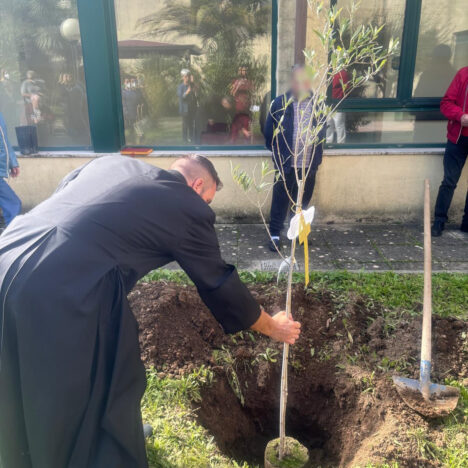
221 289
448 105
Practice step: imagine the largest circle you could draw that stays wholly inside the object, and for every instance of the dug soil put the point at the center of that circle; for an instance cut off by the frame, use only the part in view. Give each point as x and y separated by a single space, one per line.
342 404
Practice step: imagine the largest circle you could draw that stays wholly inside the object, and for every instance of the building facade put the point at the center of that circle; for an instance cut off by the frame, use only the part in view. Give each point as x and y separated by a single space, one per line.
197 76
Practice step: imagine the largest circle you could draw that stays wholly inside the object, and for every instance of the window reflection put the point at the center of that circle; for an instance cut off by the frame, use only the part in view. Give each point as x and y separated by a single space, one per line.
201 70
442 46
390 15
42 87
363 128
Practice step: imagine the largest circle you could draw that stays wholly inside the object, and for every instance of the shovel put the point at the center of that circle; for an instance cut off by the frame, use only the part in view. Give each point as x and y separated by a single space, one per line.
429 399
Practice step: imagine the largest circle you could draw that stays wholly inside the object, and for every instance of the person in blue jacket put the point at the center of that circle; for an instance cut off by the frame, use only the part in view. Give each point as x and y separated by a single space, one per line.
10 204
285 133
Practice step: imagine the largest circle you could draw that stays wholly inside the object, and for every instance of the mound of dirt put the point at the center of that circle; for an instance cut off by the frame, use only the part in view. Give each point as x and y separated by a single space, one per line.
342 404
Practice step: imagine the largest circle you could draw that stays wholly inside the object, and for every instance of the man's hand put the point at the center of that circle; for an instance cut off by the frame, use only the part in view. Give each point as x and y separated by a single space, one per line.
15 172
464 120
278 327
287 330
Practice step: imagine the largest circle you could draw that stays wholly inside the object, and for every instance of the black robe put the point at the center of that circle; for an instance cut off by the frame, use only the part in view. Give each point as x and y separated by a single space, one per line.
71 378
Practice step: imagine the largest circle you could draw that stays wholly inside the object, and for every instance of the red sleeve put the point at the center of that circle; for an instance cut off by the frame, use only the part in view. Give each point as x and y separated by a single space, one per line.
448 105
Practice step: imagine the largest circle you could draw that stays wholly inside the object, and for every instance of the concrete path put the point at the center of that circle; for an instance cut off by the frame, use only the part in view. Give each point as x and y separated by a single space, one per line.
354 247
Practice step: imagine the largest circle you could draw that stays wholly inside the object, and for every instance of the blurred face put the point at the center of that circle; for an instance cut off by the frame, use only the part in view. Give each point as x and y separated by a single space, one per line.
186 79
243 71
225 103
300 83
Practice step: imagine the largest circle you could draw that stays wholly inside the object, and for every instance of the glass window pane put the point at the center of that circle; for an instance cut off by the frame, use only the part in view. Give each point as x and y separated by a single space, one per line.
194 72
41 72
389 13
362 128
442 46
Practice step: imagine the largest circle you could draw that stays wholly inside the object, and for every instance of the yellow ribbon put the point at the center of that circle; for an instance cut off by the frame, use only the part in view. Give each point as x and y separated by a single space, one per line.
304 231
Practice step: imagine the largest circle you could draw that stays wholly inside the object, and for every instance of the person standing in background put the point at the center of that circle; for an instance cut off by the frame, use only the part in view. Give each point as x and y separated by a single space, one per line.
337 123
186 93
286 137
9 201
454 106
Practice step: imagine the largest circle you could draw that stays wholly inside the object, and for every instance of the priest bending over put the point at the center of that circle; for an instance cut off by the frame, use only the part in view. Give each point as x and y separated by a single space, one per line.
71 378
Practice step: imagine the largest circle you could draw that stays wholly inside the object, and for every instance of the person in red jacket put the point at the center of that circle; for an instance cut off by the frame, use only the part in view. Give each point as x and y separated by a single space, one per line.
454 106
337 123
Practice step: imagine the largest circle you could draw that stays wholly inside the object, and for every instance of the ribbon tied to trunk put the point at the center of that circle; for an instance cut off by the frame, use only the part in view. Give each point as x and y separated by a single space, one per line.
300 227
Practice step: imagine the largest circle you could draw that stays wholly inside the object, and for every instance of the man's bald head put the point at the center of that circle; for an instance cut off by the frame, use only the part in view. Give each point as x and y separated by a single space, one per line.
200 174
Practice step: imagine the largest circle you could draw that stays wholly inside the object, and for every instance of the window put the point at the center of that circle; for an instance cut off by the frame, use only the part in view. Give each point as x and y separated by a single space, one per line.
41 73
392 128
442 46
194 72
391 16
201 73
401 106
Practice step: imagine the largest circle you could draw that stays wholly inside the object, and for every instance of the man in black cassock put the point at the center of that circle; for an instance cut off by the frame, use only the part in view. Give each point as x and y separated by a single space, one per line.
71 378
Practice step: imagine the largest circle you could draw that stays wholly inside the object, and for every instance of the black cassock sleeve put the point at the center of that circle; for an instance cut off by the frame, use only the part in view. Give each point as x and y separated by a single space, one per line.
218 284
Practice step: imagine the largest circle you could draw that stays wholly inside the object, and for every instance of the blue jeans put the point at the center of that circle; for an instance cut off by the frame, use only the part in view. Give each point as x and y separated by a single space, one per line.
9 202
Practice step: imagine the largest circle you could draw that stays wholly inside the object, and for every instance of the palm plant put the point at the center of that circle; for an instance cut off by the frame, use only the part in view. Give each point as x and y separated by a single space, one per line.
228 23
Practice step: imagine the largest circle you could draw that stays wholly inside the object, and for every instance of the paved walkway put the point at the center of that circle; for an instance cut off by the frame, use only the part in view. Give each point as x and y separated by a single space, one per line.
354 247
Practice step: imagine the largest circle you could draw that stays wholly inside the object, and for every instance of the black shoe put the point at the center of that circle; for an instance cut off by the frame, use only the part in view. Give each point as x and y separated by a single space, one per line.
437 228
464 227
274 245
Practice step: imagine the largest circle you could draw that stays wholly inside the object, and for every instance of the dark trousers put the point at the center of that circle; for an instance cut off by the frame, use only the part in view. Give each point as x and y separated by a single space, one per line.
188 127
281 202
454 160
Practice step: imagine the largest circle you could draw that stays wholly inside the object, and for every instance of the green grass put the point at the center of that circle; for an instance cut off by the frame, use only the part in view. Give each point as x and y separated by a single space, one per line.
402 292
178 440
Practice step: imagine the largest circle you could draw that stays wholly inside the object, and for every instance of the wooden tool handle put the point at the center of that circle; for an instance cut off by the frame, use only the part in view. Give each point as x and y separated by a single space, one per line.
427 304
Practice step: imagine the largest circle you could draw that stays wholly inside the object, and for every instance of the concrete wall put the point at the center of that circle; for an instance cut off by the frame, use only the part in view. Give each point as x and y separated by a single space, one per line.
350 186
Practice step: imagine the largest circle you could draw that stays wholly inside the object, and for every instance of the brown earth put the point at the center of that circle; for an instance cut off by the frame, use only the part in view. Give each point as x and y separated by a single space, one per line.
342 404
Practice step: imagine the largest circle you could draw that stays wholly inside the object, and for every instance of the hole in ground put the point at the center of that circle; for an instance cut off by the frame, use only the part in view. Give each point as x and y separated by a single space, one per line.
242 431
342 403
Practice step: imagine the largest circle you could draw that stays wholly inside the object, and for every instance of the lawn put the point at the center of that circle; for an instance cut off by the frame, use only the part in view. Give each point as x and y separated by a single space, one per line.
180 442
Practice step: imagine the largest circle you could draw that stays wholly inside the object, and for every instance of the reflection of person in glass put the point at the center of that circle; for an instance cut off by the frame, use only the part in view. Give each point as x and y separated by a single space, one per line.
454 106
187 94
133 103
75 107
32 92
240 128
437 74
337 123
242 82
241 90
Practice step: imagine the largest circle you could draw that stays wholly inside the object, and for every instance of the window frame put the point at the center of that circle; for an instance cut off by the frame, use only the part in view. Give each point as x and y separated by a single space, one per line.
404 100
101 64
